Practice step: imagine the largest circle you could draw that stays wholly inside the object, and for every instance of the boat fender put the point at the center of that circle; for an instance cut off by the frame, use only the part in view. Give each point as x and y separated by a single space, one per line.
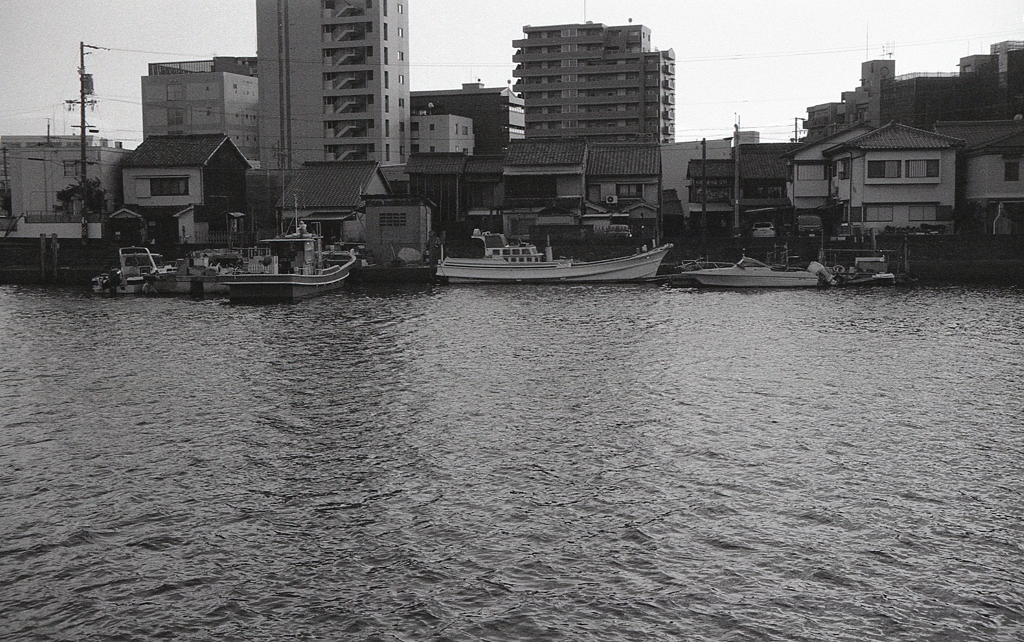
838 269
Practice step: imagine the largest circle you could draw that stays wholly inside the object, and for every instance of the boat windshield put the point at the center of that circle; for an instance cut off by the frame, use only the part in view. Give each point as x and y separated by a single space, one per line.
747 262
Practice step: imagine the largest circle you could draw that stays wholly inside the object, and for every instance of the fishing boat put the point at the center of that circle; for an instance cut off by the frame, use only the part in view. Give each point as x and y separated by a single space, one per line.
751 273
135 264
199 274
294 268
506 263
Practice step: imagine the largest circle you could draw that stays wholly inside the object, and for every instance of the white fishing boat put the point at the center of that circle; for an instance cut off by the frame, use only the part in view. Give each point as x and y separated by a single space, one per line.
135 265
751 273
505 263
293 269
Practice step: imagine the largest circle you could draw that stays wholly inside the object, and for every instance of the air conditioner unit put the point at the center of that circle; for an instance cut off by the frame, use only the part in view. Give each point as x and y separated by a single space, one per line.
611 200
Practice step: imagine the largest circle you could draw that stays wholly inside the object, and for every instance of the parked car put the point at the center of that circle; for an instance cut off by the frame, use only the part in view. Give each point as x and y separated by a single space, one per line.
809 224
762 229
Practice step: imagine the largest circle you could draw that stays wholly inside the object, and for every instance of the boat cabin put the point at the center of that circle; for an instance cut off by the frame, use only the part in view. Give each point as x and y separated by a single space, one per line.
296 253
497 247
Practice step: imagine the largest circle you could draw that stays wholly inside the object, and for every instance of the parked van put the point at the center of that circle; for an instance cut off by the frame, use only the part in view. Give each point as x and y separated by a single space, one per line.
809 224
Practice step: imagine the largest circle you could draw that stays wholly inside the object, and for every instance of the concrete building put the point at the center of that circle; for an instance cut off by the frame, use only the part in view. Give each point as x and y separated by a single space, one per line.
40 171
594 81
219 96
334 81
441 133
987 87
895 177
498 113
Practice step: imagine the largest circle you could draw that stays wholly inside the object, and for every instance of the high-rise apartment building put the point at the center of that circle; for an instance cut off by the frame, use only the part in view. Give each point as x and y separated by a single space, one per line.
334 80
595 81
219 96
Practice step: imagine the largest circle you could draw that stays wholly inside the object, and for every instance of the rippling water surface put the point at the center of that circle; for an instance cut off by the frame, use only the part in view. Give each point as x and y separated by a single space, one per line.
536 463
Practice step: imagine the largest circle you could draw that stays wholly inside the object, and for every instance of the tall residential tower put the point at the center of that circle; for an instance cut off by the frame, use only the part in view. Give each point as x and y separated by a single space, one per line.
597 82
334 80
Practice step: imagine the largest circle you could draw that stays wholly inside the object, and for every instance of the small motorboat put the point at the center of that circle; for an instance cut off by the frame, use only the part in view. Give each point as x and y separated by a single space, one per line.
135 265
751 273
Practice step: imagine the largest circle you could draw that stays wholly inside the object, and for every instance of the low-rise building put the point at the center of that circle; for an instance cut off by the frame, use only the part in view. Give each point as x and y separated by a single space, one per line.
329 196
624 188
185 189
895 178
497 113
441 133
218 96
990 186
545 186
44 178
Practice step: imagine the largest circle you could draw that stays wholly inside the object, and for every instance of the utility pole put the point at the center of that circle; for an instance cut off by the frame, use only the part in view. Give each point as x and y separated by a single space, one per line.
85 90
704 193
736 179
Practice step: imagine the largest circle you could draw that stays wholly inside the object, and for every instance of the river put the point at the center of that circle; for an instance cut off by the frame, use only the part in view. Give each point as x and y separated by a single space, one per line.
579 463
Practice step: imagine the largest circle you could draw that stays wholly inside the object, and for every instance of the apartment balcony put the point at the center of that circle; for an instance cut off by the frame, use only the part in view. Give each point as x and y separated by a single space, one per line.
669 99
347 12
668 83
345 57
345 33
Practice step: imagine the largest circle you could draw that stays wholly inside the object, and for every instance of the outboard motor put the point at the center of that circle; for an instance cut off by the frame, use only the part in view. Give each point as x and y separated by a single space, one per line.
824 275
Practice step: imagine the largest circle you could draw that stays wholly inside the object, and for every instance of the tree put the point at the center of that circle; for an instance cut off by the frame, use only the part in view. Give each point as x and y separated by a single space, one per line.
95 196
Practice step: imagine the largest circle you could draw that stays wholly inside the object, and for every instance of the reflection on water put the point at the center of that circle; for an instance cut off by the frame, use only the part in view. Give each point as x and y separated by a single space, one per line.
503 463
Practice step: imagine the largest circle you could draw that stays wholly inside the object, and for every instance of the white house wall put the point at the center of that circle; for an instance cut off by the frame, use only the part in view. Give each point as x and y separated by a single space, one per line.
136 187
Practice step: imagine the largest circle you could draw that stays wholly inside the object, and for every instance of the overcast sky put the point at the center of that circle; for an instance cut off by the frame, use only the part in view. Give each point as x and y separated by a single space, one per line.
762 62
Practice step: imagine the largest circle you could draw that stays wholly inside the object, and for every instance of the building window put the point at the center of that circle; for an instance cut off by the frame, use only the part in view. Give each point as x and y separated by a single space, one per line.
878 213
385 31
385 55
387 127
842 169
630 190
175 117
173 186
401 79
384 6
387 80
1011 171
387 152
175 92
922 212
922 169
431 127
387 103
884 169
71 168
401 8
393 219
401 32
401 55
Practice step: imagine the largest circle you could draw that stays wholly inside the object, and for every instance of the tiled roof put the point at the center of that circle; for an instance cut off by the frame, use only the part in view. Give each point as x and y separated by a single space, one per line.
487 164
1014 141
553 151
329 184
977 132
765 160
629 159
897 136
717 168
436 163
178 151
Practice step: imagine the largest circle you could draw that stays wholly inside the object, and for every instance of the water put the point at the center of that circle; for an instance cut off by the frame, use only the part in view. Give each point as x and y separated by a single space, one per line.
506 463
